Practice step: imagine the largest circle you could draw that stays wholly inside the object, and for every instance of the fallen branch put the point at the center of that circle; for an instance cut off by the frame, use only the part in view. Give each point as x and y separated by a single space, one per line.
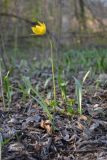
15 16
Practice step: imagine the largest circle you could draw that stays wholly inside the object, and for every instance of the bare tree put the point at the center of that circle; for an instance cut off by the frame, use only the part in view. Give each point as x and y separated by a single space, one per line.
79 9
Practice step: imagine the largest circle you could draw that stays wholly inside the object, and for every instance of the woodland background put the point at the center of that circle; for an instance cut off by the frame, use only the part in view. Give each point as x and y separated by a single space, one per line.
74 23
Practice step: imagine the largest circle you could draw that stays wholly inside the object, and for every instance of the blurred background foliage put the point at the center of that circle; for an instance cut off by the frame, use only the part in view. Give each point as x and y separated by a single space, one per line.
74 24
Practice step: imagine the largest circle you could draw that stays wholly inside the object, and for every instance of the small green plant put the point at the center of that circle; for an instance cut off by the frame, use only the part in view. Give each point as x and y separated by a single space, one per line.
78 91
63 90
25 87
28 91
5 141
62 85
101 63
69 103
7 88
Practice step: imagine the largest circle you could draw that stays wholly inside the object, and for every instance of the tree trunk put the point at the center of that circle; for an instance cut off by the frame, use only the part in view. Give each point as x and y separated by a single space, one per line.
82 18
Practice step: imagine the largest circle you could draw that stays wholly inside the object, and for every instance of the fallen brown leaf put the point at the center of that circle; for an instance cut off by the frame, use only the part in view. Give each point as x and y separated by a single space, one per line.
47 125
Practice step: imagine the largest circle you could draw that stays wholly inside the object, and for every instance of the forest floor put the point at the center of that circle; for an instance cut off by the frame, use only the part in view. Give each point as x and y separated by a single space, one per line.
28 133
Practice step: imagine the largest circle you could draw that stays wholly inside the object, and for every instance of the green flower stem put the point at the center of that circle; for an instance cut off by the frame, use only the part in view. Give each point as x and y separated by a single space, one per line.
53 71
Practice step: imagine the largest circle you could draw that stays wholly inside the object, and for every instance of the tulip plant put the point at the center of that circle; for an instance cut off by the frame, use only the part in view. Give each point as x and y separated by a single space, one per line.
40 29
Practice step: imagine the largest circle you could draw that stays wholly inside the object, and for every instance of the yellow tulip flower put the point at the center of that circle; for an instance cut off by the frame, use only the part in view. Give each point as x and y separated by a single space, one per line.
39 29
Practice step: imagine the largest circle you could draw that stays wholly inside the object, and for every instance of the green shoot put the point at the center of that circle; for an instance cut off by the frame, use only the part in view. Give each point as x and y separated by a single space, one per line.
62 85
26 87
2 88
70 102
63 90
8 88
78 91
85 77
